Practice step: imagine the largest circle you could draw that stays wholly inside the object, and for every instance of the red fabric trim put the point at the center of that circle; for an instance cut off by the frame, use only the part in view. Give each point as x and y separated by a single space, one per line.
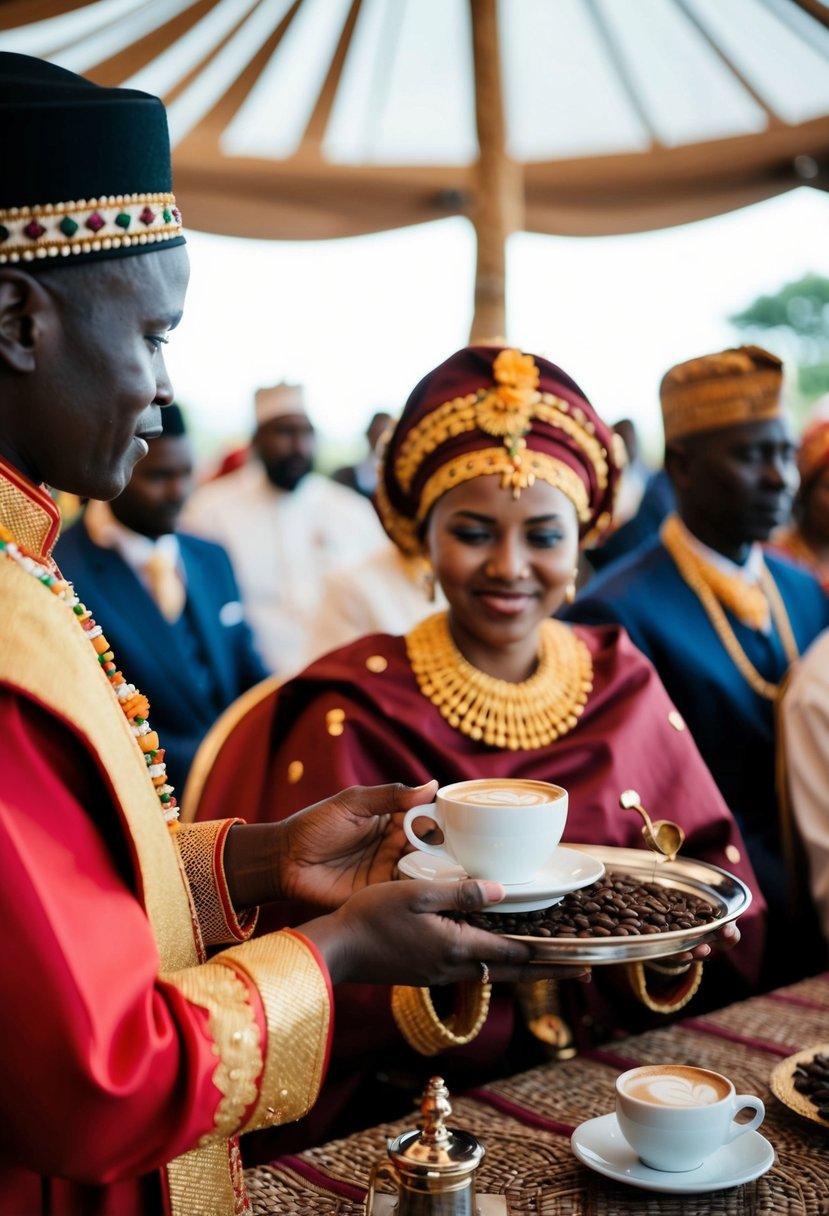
330 1186
520 1113
731 1036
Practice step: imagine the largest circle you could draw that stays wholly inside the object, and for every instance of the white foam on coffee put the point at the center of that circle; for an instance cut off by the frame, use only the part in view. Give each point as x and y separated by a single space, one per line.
503 797
671 1090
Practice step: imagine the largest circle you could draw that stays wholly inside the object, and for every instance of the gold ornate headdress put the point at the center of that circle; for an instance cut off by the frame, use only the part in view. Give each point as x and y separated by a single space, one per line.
547 428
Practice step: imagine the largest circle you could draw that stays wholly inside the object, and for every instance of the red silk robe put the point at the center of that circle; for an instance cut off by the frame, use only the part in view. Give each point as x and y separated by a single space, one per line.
119 1049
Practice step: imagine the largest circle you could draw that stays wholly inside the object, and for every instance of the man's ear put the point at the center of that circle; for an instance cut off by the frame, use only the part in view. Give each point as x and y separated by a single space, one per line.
679 461
24 311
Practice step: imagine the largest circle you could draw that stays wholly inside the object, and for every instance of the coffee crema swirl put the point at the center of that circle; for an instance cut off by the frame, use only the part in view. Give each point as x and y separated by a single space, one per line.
677 1087
503 793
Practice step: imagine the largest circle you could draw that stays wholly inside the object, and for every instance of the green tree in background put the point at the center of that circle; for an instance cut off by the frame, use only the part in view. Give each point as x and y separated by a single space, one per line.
794 323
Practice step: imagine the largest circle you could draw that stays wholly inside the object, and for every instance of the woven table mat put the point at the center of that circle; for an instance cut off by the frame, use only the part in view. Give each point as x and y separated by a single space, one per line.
524 1123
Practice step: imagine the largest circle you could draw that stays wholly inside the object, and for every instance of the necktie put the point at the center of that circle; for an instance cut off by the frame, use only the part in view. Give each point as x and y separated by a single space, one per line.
165 585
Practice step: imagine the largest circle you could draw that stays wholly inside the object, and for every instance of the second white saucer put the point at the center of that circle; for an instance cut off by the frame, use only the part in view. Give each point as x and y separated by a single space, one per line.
567 870
599 1144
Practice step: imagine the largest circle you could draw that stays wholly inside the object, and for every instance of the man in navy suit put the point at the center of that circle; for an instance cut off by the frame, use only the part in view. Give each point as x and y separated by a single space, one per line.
721 620
168 602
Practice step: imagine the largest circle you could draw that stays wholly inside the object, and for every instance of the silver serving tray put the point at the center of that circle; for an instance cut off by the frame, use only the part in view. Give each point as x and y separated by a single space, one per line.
729 896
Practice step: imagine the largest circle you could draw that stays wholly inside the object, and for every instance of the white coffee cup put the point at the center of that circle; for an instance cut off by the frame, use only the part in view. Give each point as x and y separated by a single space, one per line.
674 1116
504 829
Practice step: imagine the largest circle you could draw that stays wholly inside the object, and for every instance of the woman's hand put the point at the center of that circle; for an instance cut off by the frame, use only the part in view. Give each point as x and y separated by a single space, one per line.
393 933
726 938
325 853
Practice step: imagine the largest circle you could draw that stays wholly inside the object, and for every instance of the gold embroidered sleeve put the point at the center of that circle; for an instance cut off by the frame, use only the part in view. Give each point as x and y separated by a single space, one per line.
276 1081
295 993
201 847
232 1025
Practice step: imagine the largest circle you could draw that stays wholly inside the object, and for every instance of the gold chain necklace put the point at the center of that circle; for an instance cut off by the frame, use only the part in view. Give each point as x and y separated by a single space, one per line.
673 538
523 716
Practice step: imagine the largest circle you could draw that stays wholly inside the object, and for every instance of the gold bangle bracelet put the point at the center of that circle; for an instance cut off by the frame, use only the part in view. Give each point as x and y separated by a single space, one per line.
423 1030
678 999
664 969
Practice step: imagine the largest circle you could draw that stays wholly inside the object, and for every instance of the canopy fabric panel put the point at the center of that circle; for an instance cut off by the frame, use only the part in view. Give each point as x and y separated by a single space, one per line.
302 119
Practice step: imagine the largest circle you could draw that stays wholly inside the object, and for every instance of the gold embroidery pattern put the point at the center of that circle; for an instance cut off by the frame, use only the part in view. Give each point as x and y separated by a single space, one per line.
295 997
201 848
232 1026
523 716
504 411
515 475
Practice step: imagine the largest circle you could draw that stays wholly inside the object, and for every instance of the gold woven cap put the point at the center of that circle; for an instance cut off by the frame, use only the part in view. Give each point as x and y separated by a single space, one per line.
734 386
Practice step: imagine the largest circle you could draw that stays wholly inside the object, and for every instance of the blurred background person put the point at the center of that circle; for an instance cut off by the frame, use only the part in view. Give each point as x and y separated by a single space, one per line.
362 477
805 727
168 602
721 623
806 537
283 525
386 592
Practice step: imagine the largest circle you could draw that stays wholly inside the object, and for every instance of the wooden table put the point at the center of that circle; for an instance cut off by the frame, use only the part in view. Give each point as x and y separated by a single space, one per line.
525 1124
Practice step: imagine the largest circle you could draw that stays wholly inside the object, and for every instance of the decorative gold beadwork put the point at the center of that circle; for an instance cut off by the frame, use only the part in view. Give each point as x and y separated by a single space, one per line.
82 226
733 854
517 473
232 1026
676 720
674 537
296 771
505 410
376 663
334 721
523 716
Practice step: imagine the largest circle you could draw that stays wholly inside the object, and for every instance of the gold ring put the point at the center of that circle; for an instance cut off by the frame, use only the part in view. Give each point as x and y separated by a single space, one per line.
485 974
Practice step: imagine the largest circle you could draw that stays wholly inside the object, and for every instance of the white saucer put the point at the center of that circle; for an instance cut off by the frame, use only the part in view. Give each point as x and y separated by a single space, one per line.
567 870
599 1144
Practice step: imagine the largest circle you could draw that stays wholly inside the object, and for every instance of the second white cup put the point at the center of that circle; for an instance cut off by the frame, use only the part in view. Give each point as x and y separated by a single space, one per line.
504 829
674 1116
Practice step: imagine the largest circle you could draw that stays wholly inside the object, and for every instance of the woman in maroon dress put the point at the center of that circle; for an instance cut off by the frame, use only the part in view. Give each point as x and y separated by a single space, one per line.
498 470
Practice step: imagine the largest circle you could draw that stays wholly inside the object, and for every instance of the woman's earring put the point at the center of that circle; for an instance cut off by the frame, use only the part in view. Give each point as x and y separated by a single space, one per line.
570 589
428 581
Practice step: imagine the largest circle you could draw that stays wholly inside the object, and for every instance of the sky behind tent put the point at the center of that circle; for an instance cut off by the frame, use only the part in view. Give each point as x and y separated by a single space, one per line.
359 321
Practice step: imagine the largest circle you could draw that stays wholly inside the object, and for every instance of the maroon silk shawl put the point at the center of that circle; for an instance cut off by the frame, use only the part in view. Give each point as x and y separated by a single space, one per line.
391 732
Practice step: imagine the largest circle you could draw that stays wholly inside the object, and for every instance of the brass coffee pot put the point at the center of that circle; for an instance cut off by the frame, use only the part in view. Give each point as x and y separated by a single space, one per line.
434 1167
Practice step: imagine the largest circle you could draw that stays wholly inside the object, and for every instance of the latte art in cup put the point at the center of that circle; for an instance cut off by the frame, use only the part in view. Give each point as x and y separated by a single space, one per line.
491 793
677 1086
503 828
674 1116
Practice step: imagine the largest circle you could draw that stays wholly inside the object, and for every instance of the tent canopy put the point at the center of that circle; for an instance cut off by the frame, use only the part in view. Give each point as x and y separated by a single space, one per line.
303 119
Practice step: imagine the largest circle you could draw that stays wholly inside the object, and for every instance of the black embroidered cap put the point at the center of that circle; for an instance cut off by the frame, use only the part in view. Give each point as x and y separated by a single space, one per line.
86 170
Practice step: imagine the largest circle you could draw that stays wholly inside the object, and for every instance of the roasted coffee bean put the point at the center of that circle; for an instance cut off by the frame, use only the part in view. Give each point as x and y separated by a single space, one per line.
811 1078
614 906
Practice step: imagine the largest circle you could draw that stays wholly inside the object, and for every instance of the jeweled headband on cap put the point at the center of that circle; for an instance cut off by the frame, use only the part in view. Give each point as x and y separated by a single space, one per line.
724 389
86 169
496 411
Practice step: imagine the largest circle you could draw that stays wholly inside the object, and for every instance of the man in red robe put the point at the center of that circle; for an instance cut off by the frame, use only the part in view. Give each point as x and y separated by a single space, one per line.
135 1044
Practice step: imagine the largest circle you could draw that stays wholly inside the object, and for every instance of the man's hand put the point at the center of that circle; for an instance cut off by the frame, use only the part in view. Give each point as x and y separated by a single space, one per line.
325 853
393 933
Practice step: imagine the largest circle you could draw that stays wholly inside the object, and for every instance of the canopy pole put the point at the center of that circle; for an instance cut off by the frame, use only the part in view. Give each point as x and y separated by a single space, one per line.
498 204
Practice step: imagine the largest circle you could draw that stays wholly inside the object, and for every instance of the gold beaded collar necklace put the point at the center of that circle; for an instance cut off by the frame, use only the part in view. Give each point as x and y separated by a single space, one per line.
520 717
674 538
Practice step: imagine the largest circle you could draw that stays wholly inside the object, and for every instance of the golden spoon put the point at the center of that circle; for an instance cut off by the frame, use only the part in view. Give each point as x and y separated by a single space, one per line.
664 836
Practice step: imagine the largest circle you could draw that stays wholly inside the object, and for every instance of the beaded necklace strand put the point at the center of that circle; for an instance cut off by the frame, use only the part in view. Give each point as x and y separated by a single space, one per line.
133 703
